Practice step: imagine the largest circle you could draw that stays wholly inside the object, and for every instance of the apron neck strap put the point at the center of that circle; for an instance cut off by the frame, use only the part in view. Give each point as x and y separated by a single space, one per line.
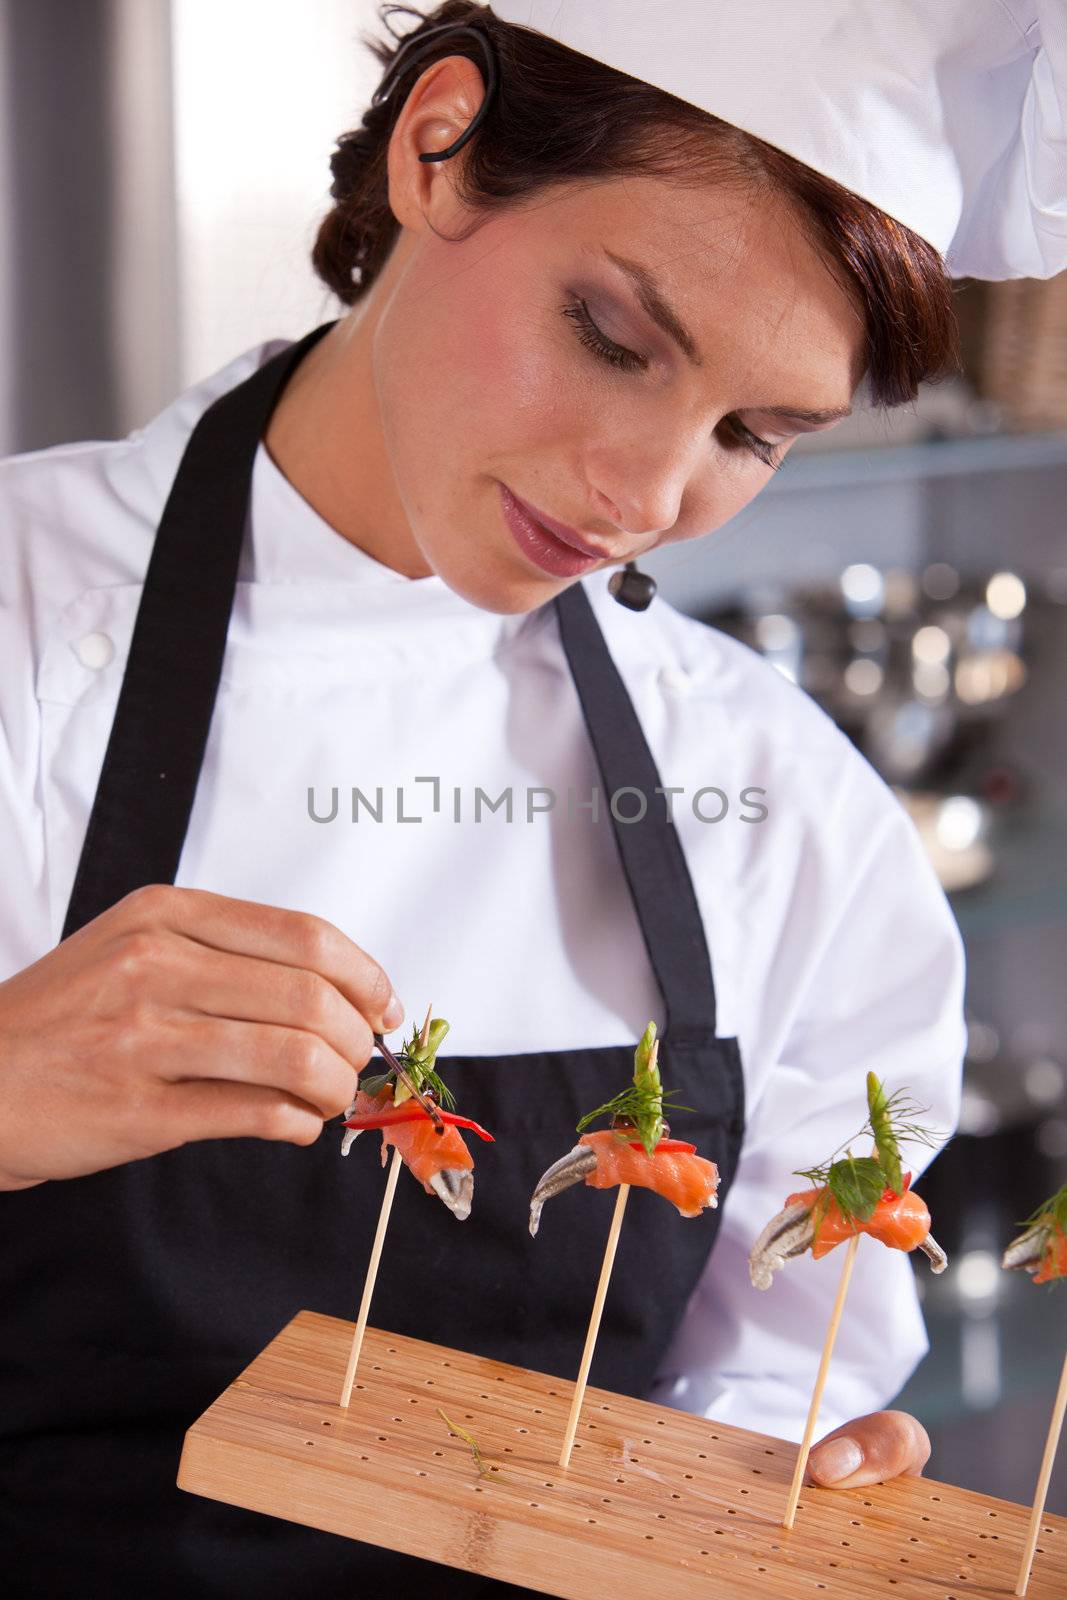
649 848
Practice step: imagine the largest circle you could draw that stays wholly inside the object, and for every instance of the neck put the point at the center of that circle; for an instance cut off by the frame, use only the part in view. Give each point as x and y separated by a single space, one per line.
325 436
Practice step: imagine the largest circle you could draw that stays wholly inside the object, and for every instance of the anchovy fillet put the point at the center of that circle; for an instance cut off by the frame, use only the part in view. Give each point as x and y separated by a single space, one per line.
455 1186
786 1236
562 1174
1026 1251
934 1254
349 1134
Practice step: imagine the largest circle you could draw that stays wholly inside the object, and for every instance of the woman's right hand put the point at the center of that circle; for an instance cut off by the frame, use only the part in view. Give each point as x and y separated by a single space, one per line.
179 1015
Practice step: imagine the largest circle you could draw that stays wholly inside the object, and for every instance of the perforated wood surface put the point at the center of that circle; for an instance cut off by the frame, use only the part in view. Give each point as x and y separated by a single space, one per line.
655 1501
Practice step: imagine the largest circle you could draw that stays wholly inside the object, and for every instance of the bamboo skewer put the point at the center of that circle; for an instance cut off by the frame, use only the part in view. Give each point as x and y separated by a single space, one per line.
1054 1429
383 1216
372 1273
594 1325
820 1384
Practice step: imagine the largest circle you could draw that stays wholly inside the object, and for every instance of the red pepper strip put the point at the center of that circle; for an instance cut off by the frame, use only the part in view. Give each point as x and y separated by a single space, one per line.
670 1147
891 1194
388 1119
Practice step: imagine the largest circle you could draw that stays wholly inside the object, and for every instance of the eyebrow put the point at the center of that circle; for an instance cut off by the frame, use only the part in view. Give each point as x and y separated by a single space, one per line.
652 301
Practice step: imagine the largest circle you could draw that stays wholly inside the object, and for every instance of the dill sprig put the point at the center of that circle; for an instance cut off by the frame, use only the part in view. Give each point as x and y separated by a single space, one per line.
857 1183
643 1101
1053 1213
468 1438
417 1055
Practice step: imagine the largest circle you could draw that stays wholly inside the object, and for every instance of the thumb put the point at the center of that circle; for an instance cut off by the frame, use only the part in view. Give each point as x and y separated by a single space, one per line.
872 1449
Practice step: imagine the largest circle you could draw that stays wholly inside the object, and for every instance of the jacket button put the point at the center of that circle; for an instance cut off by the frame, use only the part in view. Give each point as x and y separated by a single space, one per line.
674 680
95 650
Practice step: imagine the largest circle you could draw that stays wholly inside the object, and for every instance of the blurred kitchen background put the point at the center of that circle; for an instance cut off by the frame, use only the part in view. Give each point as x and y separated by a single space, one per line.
163 166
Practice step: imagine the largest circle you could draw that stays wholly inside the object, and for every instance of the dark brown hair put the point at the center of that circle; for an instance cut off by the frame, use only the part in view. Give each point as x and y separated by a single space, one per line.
559 116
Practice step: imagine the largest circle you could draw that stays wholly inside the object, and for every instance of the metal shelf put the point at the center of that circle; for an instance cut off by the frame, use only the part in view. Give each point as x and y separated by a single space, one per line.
929 458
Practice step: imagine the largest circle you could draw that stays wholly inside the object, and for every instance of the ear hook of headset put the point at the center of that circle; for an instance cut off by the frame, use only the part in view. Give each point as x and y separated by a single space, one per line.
426 42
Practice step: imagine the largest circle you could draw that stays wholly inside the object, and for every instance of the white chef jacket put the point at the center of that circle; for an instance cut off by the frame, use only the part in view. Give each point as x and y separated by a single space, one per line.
833 948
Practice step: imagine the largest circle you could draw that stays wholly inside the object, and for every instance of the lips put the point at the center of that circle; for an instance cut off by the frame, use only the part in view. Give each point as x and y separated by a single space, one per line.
561 531
543 548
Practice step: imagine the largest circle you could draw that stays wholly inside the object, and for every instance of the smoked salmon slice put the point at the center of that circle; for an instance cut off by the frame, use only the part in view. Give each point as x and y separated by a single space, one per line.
687 1180
900 1221
422 1151
1053 1260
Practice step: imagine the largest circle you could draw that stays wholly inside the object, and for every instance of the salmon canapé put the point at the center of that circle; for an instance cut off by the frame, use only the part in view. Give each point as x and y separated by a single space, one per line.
636 1150
853 1195
440 1161
1041 1249
900 1221
613 1156
813 1220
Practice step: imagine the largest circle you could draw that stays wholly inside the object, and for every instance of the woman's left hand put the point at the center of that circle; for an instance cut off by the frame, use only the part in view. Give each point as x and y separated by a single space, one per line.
885 1444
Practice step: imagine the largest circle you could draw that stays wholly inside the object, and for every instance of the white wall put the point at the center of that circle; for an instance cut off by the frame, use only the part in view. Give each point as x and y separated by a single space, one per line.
262 88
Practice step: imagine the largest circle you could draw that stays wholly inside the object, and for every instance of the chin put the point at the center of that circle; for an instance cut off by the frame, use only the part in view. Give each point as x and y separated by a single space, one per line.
504 597
494 584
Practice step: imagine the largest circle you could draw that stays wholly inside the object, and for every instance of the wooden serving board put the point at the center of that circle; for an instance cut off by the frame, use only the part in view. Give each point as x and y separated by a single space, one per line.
655 1501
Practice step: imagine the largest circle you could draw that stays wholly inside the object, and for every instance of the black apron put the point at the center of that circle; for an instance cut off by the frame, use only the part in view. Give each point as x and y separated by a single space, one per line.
133 1297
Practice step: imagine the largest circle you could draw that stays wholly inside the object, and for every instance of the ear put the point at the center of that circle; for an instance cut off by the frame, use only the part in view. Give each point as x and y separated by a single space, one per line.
440 105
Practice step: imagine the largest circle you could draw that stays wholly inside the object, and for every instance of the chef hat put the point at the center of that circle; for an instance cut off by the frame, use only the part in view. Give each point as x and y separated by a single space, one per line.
949 115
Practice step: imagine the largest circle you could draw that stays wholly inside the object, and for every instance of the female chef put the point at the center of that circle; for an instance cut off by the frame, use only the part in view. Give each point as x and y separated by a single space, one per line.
266 663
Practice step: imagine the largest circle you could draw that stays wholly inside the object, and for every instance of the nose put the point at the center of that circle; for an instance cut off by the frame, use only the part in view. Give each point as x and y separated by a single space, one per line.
640 484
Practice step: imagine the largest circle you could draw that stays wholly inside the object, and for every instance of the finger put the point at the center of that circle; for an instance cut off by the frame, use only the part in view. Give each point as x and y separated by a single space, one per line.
293 938
247 989
872 1449
300 1063
207 1109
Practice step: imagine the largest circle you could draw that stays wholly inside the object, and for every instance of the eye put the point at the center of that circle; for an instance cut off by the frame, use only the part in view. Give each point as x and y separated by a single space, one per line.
599 343
768 453
628 361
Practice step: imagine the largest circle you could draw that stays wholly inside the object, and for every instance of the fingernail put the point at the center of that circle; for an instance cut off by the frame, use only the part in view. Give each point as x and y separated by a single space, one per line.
393 1015
836 1460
